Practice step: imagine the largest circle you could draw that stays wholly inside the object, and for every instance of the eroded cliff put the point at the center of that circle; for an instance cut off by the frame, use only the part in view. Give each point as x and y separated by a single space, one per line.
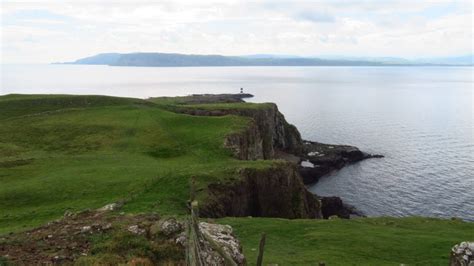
267 133
276 191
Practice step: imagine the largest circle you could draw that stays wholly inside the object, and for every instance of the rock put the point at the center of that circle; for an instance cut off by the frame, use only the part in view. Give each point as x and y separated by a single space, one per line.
167 227
462 254
212 258
110 207
311 175
59 259
333 206
181 239
328 158
68 214
136 230
86 229
106 226
222 235
307 164
375 156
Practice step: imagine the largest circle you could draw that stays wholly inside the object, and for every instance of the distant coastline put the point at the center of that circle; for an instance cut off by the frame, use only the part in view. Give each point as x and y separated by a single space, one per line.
186 60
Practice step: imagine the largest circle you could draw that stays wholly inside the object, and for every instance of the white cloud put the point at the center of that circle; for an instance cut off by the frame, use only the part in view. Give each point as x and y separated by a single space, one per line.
70 30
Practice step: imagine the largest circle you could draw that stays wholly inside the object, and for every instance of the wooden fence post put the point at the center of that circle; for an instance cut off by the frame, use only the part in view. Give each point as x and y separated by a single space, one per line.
260 250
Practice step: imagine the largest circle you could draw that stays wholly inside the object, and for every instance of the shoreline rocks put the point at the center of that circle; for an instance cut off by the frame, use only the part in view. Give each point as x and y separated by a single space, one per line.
335 206
319 159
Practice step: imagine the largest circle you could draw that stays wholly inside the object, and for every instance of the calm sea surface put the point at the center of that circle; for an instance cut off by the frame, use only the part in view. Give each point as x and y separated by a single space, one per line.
420 118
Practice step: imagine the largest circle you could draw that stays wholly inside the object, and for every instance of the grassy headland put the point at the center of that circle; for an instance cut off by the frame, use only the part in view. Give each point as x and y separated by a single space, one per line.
63 153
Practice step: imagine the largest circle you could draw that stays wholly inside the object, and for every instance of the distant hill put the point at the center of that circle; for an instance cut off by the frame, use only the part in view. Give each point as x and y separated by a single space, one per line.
466 60
100 59
185 60
182 60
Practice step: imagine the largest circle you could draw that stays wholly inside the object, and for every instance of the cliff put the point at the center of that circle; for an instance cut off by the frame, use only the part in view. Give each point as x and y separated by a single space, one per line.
277 191
267 133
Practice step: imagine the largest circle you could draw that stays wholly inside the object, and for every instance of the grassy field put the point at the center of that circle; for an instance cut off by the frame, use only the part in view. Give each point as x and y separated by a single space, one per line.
61 153
368 241
68 153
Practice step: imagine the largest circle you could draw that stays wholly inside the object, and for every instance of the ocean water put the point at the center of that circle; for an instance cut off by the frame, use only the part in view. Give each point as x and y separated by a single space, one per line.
420 118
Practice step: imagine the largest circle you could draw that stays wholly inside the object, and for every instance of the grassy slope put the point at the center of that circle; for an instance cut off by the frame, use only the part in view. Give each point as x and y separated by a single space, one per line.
61 153
368 241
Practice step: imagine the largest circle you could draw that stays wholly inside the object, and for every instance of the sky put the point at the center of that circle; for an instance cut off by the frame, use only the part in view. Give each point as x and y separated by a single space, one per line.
57 31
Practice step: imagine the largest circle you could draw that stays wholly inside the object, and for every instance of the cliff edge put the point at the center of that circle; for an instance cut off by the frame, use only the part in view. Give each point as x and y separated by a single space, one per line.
277 191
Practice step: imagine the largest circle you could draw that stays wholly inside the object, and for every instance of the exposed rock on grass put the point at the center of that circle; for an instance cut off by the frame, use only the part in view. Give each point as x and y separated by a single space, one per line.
222 235
167 227
90 238
462 254
111 207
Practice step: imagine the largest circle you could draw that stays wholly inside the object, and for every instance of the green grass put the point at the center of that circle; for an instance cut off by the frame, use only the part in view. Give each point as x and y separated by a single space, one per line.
186 102
227 106
367 241
61 153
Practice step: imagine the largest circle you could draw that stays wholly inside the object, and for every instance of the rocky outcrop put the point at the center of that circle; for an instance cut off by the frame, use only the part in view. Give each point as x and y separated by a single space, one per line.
246 145
67 241
462 254
222 236
268 131
275 191
319 159
333 206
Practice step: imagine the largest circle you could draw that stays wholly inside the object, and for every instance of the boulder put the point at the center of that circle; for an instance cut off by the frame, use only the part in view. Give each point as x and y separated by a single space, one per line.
86 229
167 227
135 229
110 207
462 254
333 206
222 235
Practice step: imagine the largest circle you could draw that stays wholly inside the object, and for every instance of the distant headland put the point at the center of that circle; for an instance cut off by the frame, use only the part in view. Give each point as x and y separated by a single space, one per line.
192 60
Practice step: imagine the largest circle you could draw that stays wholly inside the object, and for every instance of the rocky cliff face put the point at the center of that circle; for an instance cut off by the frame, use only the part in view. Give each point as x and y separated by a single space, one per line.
277 191
268 132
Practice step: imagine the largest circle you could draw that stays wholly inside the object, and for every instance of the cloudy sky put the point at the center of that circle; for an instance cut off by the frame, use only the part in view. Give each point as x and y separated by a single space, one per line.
49 31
